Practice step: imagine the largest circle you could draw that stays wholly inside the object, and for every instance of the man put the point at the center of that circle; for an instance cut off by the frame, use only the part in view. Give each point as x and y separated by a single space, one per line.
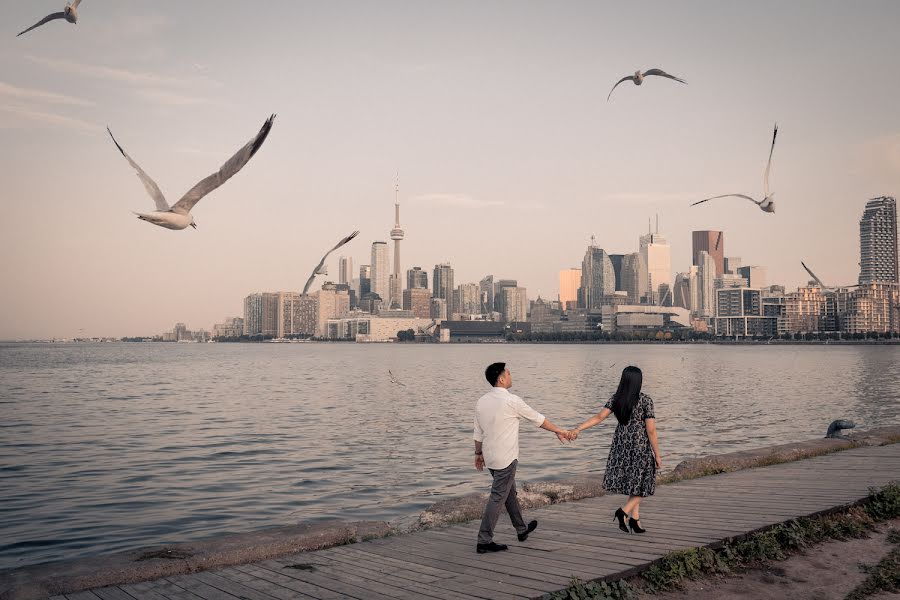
497 415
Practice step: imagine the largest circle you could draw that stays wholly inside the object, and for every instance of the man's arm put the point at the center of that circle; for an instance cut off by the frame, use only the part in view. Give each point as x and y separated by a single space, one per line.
562 434
526 412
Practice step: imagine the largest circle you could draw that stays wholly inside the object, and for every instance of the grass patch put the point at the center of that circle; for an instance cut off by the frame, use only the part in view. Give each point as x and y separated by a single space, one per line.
883 577
774 544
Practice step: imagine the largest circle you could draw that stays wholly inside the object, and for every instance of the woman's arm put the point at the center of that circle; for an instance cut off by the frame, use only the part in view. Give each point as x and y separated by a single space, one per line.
650 424
595 420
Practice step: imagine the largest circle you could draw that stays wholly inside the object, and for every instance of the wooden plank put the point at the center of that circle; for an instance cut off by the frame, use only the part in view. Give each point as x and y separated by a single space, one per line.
264 586
290 583
86 595
340 585
111 593
142 591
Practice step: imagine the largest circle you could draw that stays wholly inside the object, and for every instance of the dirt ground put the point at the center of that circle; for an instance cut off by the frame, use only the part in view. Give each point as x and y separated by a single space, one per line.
828 571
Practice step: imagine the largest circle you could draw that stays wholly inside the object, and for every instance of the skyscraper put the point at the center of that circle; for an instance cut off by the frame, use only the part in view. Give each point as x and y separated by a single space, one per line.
345 269
515 304
396 298
713 242
569 280
681 292
486 291
381 272
617 268
878 242
755 276
499 286
365 280
634 281
333 302
657 256
466 301
598 278
442 284
416 278
707 284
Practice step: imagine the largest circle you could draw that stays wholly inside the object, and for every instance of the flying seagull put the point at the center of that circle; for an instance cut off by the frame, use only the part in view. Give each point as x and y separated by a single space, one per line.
638 78
69 13
394 379
320 268
819 281
767 204
179 215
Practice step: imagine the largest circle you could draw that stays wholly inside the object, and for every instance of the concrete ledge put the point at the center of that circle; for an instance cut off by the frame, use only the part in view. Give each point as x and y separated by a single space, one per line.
41 581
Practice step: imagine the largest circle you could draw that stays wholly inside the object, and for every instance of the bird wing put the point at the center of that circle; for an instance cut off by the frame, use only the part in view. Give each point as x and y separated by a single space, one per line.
631 77
322 262
662 73
149 184
75 3
232 166
813 275
769 164
727 196
47 19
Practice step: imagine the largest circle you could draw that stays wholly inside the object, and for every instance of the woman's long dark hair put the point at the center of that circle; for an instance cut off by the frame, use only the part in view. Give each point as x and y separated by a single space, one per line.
628 394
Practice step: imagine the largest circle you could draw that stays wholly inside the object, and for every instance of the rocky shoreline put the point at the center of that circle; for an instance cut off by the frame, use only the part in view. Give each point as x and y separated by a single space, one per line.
41 581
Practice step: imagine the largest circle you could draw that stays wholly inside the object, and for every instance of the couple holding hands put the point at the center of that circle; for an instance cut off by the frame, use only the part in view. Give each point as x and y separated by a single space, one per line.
630 469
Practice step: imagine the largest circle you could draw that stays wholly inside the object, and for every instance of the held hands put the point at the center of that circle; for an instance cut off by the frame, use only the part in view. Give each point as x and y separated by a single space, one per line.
567 436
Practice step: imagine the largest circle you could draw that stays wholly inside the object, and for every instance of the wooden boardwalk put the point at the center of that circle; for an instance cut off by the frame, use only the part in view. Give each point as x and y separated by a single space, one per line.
572 539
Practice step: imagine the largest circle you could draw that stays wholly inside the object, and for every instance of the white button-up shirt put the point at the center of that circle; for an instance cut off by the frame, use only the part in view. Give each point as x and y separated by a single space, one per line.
497 415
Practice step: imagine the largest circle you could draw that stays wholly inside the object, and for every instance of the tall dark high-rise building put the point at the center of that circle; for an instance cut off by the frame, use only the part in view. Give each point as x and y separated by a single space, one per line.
442 285
598 278
617 267
416 278
712 242
878 241
365 280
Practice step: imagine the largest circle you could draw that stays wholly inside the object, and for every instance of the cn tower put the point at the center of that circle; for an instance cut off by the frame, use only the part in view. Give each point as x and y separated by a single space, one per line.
397 235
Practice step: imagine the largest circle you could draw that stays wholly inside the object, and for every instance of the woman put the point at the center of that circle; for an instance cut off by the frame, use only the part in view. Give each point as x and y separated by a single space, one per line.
634 455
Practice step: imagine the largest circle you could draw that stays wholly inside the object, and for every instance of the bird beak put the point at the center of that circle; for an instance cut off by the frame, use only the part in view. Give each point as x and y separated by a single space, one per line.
194 225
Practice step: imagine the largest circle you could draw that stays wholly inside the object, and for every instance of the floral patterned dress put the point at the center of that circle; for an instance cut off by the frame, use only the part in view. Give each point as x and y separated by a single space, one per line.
631 467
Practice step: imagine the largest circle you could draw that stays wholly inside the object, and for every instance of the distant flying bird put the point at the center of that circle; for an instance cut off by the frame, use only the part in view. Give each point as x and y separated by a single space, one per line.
320 268
394 379
179 215
69 13
638 78
767 204
819 281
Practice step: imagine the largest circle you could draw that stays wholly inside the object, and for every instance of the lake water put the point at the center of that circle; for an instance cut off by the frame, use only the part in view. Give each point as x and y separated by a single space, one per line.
107 447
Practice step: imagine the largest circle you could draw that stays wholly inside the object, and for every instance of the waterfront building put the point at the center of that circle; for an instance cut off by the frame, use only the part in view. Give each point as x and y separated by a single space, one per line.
297 314
232 327
878 261
261 314
499 286
740 313
804 310
333 302
713 243
439 309
872 307
374 328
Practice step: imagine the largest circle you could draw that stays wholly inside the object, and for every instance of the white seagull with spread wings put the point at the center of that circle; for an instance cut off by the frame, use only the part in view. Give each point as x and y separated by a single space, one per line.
69 13
767 204
319 270
824 287
638 78
394 379
179 215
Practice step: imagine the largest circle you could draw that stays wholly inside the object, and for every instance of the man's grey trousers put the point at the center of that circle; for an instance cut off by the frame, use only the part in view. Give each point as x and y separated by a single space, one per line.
503 493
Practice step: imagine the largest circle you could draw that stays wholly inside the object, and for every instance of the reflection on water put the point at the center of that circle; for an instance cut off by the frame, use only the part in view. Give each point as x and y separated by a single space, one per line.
115 446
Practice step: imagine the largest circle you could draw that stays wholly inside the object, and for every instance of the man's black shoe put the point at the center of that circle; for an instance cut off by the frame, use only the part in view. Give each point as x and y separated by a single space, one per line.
531 527
492 547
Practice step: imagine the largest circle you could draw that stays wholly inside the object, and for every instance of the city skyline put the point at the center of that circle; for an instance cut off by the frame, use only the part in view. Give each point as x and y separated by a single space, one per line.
511 160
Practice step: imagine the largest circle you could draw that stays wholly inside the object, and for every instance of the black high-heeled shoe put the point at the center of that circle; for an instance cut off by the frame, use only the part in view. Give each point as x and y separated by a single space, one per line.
620 516
633 525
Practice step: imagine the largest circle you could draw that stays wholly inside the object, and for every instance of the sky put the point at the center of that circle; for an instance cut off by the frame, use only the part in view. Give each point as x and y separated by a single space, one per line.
493 113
